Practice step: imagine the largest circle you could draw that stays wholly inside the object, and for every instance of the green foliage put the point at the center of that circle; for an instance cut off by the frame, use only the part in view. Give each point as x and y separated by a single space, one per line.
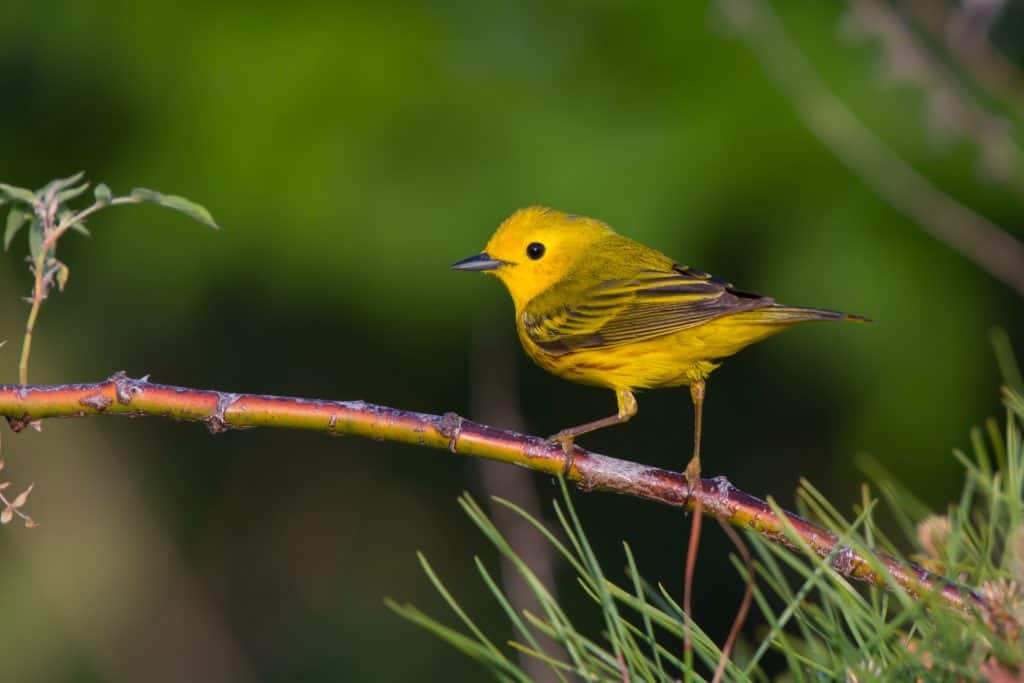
185 206
628 643
823 626
49 218
40 208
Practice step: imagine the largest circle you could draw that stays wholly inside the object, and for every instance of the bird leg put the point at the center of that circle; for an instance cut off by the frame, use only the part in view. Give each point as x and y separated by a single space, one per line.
566 437
692 472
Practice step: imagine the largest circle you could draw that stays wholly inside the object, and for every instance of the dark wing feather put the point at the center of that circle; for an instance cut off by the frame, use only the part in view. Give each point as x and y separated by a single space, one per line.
650 304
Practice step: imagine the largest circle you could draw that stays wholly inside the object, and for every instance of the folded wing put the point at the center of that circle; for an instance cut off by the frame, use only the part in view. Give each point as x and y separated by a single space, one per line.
650 303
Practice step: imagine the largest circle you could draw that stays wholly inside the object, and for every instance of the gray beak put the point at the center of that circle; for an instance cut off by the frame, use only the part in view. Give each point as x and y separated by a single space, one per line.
481 261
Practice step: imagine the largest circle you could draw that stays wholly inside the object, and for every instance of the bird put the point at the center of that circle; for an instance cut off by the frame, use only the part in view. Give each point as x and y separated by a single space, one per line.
598 308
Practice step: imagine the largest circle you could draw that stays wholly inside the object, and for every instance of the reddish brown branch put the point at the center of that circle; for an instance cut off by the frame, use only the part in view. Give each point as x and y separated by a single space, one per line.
221 411
691 564
741 613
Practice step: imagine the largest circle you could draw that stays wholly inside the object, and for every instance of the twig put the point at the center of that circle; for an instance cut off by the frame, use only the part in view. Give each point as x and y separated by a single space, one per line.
863 152
741 613
30 323
623 671
954 108
691 564
964 29
222 411
46 212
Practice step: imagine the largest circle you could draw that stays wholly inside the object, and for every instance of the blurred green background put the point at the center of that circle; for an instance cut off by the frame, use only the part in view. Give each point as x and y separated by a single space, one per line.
351 152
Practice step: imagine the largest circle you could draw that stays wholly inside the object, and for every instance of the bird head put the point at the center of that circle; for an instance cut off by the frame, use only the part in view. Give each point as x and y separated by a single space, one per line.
534 248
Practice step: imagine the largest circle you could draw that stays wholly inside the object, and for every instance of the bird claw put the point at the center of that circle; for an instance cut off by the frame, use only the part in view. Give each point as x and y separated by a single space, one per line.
692 475
568 448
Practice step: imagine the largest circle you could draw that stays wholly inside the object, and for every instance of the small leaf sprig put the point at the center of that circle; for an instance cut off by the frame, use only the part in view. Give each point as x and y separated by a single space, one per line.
48 216
13 507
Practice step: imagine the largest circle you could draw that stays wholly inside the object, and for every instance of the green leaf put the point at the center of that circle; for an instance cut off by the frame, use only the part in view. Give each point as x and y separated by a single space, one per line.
103 194
459 612
189 208
185 206
16 219
462 642
19 193
60 184
67 195
146 195
77 226
35 238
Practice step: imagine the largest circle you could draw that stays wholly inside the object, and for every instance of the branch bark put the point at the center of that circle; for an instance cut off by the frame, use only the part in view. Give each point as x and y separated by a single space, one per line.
23 405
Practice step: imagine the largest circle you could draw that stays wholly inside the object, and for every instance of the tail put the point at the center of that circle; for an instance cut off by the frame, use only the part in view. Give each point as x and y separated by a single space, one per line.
777 314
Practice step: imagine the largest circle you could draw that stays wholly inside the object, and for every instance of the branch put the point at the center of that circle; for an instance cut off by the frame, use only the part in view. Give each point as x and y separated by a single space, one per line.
897 182
49 218
220 411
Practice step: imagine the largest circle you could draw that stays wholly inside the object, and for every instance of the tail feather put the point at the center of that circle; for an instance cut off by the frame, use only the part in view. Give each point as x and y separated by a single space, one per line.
779 314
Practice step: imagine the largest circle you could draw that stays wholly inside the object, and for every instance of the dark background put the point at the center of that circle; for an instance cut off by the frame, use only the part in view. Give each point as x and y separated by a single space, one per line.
351 152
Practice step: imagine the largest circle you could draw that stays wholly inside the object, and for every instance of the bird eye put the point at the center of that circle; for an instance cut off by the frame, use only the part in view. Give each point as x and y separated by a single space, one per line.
535 250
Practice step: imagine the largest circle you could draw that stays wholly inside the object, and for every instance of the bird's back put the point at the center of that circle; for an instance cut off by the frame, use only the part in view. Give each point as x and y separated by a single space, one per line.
628 316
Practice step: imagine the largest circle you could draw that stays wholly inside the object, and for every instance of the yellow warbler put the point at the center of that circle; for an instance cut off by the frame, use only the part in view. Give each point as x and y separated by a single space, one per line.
598 308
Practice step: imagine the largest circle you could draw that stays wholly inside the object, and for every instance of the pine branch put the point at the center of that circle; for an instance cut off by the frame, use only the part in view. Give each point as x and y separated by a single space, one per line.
25 405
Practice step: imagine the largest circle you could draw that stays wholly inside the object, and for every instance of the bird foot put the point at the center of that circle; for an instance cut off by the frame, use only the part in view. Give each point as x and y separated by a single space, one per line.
692 474
568 448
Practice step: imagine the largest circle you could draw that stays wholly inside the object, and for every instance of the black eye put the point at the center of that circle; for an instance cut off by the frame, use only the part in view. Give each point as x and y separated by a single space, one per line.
535 250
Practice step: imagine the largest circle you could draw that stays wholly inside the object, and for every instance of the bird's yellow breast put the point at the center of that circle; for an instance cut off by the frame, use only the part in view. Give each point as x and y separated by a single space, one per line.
669 361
